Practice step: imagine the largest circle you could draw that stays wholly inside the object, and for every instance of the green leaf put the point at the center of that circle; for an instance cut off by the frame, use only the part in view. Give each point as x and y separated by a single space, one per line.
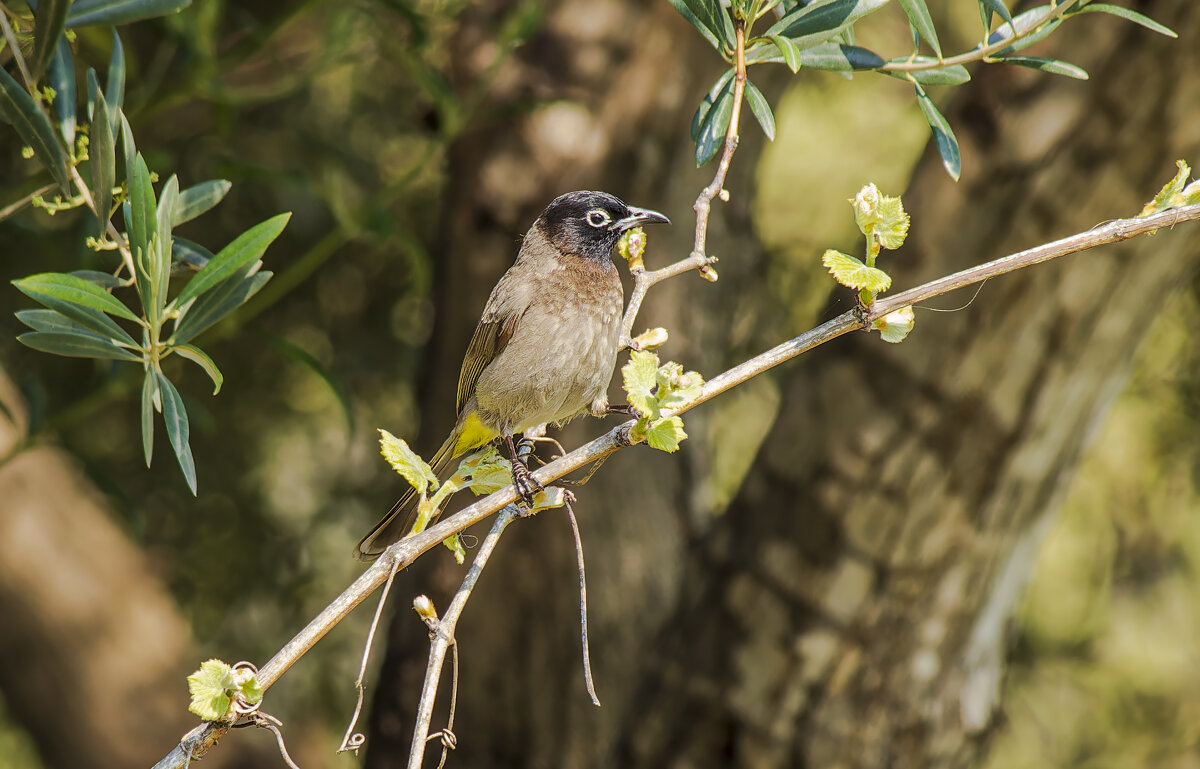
93 12
702 111
710 19
788 50
714 125
101 279
1024 25
761 109
34 128
1127 14
407 463
103 161
852 273
665 434
216 304
201 359
212 688
90 318
176 419
143 215
1052 66
677 388
640 377
921 22
1168 196
896 325
190 253
822 20
245 250
115 86
199 198
55 322
69 288
943 135
830 57
149 395
76 345
61 77
49 20
951 74
160 253
988 7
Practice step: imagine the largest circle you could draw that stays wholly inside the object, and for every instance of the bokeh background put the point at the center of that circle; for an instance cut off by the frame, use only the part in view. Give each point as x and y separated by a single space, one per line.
978 548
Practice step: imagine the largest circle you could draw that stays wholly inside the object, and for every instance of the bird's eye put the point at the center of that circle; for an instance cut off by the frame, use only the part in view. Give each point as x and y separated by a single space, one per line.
598 217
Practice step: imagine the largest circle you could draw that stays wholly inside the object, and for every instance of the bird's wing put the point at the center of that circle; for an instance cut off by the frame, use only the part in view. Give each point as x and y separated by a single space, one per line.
495 329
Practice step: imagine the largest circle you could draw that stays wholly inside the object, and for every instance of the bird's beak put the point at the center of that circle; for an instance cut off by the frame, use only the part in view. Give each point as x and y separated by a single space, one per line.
638 216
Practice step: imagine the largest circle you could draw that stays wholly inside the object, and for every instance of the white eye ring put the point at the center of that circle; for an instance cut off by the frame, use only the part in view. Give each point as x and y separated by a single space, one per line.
598 218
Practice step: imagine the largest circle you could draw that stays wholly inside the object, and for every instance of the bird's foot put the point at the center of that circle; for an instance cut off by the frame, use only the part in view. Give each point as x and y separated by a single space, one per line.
527 486
628 411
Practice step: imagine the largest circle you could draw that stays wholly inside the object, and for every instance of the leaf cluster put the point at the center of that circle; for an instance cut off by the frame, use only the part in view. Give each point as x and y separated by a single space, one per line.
652 389
79 312
820 34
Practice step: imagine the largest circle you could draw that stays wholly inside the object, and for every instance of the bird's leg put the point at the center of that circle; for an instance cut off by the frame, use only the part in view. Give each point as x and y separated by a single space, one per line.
523 480
628 411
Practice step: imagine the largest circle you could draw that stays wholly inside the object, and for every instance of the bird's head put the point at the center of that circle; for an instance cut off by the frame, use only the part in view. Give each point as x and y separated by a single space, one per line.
588 223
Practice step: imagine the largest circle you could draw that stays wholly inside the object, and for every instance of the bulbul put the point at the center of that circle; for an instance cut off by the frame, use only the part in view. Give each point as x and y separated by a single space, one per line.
546 346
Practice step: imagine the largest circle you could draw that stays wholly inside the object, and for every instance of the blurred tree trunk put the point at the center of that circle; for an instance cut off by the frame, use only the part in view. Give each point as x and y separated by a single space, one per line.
850 606
93 651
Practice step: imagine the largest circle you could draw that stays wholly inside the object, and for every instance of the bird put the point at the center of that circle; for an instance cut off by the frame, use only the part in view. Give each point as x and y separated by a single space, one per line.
545 347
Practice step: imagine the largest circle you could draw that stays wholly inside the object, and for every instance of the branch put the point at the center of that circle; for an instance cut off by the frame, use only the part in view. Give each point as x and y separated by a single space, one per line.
401 554
442 636
697 259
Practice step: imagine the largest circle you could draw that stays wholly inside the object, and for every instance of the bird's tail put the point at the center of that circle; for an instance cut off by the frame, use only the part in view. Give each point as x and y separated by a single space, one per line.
399 520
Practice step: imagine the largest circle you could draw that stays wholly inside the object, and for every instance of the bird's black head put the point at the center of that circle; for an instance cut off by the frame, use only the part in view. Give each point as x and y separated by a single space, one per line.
588 223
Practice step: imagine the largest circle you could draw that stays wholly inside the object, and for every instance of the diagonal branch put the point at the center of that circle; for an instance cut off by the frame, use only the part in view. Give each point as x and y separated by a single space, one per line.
198 741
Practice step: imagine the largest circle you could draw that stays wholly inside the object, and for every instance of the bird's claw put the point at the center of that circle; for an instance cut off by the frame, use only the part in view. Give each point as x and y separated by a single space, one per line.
527 486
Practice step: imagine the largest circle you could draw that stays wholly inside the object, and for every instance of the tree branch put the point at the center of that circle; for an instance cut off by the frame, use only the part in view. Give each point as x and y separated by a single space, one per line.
401 554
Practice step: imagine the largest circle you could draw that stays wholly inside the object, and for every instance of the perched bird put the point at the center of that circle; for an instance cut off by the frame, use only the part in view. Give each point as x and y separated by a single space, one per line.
546 346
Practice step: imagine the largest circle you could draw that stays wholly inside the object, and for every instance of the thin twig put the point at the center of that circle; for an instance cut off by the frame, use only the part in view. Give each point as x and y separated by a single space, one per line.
401 554
443 636
698 258
13 208
583 633
353 740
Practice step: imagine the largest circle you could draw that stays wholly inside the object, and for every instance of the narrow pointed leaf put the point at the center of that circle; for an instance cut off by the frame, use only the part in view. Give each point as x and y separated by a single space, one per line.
34 128
822 20
143 213
708 15
988 7
1025 24
74 345
69 288
831 57
91 319
1052 66
709 99
188 255
149 385
712 129
103 160
1128 15
88 12
761 109
954 74
244 251
54 322
49 21
201 359
943 135
921 22
788 50
176 419
102 279
115 87
226 297
694 20
61 77
199 198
